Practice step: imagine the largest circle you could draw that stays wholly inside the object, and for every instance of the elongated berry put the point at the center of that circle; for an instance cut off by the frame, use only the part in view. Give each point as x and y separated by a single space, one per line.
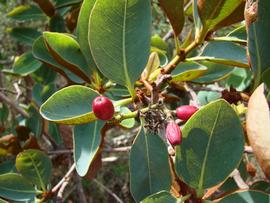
103 108
173 133
185 112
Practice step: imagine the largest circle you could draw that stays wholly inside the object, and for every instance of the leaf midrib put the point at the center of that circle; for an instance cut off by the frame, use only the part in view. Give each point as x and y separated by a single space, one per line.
200 186
148 162
37 172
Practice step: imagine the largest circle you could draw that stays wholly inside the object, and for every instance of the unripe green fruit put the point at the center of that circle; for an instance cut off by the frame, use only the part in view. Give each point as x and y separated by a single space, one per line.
103 108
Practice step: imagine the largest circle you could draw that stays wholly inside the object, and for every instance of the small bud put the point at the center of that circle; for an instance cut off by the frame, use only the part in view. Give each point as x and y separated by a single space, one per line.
173 133
103 108
185 112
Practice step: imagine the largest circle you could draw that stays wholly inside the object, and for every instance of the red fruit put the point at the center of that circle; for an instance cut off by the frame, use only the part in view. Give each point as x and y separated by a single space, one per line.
103 108
173 133
185 112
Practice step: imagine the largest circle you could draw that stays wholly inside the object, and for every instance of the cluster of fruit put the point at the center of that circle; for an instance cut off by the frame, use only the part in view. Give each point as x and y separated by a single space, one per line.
104 110
173 131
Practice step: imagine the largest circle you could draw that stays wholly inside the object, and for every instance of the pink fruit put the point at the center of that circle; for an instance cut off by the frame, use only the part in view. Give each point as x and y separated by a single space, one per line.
173 133
103 108
185 112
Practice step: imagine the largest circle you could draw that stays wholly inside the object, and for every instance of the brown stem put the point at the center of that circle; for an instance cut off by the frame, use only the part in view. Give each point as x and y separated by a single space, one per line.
64 179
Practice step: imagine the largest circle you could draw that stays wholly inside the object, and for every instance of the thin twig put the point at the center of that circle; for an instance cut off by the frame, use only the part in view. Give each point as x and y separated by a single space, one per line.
118 149
59 197
168 35
7 91
239 180
6 100
68 174
108 191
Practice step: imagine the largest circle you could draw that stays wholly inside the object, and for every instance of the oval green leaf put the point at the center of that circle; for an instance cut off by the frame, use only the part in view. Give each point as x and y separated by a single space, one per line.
187 71
83 30
66 51
248 196
149 166
35 166
15 187
87 141
71 105
26 64
212 146
215 72
24 35
259 41
226 53
120 40
41 53
212 12
26 12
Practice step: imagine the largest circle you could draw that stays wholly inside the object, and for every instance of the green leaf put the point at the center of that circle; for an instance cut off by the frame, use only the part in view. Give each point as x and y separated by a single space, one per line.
125 41
83 30
65 3
240 79
44 75
159 43
41 53
149 166
7 167
248 196
259 41
212 146
226 53
26 12
187 71
26 64
206 97
71 105
15 187
239 33
235 17
66 51
36 166
24 35
35 121
54 132
161 197
212 12
215 72
174 10
41 93
127 123
87 141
